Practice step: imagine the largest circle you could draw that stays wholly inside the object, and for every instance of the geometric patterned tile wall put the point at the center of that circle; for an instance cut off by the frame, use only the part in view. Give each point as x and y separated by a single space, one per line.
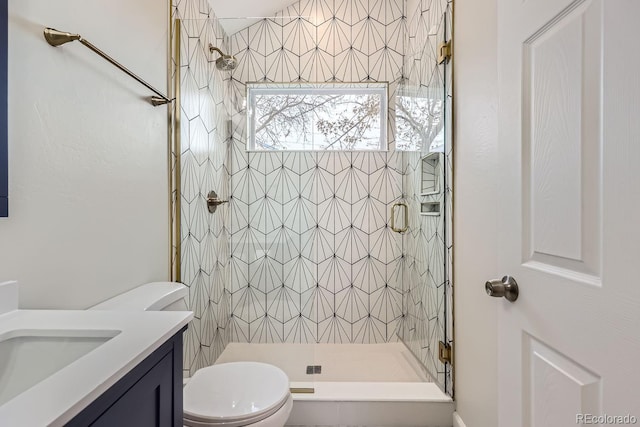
204 151
426 260
313 258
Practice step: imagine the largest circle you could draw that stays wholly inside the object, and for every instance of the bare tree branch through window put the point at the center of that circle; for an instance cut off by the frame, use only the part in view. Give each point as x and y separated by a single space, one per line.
318 119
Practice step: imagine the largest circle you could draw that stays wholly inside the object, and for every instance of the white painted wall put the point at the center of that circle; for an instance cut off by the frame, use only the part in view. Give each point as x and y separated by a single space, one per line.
475 203
87 156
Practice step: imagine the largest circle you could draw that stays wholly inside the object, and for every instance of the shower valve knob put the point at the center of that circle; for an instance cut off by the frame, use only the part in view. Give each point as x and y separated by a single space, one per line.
213 201
506 287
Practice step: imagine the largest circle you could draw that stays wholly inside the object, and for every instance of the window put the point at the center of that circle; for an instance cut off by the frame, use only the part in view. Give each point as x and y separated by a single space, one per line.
322 116
420 119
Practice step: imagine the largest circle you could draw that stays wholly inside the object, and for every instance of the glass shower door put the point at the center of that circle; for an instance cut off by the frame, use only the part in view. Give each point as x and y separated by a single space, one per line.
423 131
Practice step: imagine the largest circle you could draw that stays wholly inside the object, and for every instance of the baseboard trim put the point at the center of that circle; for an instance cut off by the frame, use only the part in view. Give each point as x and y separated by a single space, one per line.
457 421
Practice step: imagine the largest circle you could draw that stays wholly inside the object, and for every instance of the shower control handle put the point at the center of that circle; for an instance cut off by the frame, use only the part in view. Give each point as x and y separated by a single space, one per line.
506 287
213 202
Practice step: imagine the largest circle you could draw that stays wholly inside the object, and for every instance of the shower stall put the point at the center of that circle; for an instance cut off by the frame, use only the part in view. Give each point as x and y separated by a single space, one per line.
332 264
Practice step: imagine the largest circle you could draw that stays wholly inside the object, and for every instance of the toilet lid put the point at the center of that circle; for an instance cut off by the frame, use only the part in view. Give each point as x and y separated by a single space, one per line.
234 392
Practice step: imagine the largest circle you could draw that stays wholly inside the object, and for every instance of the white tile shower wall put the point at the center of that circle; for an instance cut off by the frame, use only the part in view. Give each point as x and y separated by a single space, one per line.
313 258
427 264
204 136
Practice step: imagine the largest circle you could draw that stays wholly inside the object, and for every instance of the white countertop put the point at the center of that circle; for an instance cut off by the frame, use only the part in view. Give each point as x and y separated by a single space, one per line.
57 399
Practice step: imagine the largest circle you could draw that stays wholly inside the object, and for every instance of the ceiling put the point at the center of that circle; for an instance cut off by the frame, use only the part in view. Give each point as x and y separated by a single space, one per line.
237 14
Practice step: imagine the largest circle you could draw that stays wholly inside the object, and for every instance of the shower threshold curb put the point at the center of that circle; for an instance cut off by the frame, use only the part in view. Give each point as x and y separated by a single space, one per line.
371 404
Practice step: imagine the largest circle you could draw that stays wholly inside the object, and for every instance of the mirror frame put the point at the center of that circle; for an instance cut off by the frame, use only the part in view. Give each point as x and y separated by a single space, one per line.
4 154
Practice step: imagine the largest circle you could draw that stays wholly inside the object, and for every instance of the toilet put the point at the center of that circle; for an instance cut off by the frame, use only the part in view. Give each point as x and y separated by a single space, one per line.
233 394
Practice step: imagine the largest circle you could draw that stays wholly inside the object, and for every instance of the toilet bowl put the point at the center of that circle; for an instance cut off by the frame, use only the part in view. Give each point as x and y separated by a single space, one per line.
237 394
234 394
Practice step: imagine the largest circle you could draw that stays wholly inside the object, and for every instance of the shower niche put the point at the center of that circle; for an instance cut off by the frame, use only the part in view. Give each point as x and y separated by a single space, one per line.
431 173
430 208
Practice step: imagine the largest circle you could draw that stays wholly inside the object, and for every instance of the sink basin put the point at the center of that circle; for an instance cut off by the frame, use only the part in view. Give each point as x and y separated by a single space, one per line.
27 357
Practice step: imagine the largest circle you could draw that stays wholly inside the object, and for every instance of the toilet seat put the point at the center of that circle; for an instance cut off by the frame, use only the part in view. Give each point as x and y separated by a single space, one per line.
235 394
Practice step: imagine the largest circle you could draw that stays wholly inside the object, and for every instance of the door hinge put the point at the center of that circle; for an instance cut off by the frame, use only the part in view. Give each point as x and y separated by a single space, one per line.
444 352
444 52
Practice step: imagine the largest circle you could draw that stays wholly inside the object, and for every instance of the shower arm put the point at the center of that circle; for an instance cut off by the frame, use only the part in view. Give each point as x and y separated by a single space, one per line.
212 48
56 38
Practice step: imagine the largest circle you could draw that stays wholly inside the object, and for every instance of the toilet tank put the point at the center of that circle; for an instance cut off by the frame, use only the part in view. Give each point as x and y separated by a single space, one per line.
156 296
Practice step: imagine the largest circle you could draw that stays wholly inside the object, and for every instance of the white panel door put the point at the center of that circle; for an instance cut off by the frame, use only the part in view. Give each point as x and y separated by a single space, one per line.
569 147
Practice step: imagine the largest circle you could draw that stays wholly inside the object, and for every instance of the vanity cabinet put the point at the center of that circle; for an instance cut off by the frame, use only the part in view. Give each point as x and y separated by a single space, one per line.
149 395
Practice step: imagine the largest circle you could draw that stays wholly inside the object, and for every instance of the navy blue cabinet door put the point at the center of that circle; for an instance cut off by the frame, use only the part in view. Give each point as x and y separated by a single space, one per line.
150 395
148 403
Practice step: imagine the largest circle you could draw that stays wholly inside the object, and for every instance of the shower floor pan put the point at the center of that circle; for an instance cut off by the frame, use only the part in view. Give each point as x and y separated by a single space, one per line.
353 384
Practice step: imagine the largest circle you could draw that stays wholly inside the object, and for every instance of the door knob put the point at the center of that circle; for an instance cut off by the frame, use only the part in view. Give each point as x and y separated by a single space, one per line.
507 287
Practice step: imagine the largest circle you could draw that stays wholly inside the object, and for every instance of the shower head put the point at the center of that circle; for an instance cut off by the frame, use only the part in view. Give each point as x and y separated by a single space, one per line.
225 62
56 38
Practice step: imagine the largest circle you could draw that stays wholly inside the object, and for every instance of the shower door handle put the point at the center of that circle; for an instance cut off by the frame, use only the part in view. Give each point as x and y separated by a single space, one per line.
393 218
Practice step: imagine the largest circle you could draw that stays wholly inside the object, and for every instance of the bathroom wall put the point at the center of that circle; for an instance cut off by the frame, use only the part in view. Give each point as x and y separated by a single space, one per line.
203 117
313 257
87 155
427 289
